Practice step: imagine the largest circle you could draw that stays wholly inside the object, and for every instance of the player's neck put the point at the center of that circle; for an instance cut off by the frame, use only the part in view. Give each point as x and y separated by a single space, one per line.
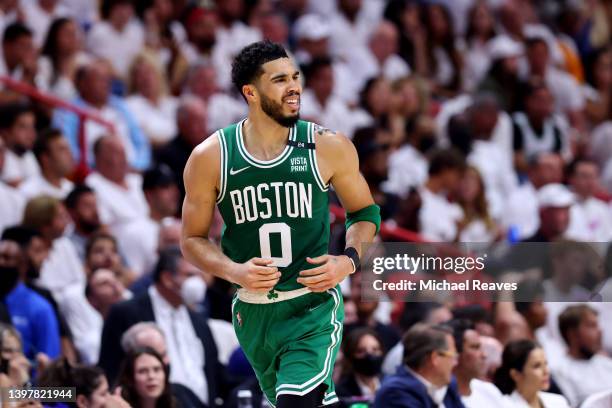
264 137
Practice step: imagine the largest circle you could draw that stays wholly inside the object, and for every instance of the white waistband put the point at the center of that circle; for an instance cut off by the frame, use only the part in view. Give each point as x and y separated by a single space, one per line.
267 297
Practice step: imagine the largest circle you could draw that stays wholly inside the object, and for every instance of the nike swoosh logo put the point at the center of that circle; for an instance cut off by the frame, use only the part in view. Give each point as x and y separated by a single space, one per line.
234 172
315 308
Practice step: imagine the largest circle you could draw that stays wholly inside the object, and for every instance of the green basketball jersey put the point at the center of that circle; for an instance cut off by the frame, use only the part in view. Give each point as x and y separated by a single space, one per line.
276 209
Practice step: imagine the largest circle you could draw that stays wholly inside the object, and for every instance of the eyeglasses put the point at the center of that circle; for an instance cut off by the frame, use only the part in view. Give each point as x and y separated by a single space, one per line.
448 353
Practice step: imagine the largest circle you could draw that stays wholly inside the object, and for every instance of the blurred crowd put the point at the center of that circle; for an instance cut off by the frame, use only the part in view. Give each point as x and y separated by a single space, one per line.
477 121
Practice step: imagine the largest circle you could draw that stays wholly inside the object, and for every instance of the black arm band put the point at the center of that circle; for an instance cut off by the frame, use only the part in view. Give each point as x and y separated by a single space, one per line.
353 255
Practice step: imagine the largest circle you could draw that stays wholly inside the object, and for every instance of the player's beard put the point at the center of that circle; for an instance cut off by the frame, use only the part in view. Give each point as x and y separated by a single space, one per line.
275 111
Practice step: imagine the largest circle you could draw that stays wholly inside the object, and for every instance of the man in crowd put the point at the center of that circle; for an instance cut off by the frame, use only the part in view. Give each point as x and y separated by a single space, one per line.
52 152
425 378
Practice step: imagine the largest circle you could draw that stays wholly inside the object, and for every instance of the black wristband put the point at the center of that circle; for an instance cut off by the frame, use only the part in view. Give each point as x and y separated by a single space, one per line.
353 255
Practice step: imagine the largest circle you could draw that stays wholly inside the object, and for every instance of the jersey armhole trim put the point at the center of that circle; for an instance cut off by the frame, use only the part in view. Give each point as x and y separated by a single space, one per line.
312 153
223 165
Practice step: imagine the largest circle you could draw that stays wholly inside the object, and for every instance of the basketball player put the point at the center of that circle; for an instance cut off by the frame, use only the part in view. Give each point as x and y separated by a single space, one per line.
269 175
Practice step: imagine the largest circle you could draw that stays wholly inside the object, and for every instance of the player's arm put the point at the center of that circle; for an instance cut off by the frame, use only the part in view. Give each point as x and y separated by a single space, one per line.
340 166
201 177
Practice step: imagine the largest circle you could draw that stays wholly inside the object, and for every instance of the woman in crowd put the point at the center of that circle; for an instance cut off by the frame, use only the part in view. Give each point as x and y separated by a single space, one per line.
144 380
480 29
61 55
599 88
477 224
363 357
524 376
102 252
15 366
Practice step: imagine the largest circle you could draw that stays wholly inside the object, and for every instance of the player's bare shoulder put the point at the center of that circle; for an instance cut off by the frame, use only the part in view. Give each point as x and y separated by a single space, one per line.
335 151
203 166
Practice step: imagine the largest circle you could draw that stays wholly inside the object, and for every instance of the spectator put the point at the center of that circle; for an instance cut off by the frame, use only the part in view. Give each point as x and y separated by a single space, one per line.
599 82
312 34
480 29
590 219
118 192
524 376
102 251
581 331
521 210
61 56
147 334
193 348
438 217
62 268
17 128
380 57
502 77
537 129
17 372
554 202
351 26
443 56
144 380
52 152
12 203
425 379
91 387
85 313
152 107
82 206
34 251
471 367
39 14
567 94
374 104
192 128
118 37
140 240
18 56
318 102
93 83
30 313
362 357
477 224
221 108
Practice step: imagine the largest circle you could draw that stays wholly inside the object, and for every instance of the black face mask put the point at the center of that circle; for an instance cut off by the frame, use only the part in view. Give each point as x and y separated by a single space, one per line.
9 275
585 352
369 365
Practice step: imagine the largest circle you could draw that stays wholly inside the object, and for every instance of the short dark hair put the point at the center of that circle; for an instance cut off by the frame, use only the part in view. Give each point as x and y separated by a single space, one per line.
530 42
20 234
72 199
315 65
43 141
571 318
15 31
422 340
167 262
10 112
460 326
446 159
108 5
573 166
247 65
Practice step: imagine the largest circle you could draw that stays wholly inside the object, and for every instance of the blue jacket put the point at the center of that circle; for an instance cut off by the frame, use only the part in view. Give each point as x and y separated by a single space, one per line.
68 123
35 320
404 390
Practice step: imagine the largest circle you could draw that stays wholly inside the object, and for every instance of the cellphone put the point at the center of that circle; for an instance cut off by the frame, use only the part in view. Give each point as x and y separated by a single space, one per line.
4 365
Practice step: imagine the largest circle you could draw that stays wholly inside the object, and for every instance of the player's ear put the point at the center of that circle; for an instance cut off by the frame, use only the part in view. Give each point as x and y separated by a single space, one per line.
249 92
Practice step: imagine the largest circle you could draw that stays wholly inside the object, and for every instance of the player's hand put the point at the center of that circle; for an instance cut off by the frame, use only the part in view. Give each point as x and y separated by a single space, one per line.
332 270
257 275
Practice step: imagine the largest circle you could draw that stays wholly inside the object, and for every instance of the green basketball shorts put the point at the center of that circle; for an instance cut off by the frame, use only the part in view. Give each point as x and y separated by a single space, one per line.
292 344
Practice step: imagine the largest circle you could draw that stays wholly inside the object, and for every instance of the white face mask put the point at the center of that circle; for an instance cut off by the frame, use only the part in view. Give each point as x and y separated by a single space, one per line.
193 290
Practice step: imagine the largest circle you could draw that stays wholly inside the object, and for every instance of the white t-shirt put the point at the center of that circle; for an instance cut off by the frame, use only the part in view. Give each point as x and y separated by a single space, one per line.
407 168
438 217
579 379
157 122
38 185
522 210
11 206
334 115
19 168
39 21
590 221
222 110
484 394
549 400
119 47
62 269
117 205
139 242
